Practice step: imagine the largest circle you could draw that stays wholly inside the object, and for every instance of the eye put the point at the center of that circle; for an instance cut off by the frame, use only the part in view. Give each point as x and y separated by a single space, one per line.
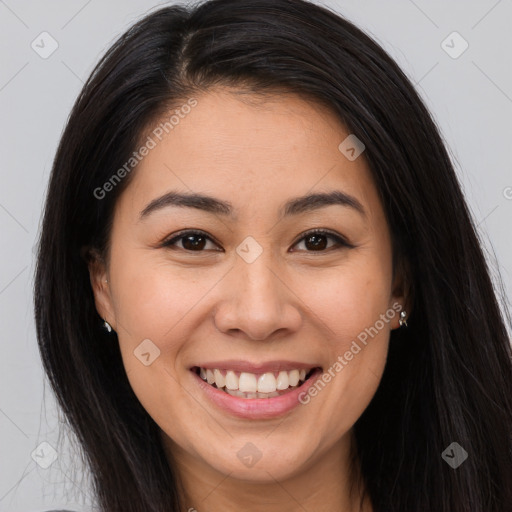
317 241
194 241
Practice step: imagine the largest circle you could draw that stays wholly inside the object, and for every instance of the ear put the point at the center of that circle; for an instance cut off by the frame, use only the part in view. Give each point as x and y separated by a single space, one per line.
402 290
98 274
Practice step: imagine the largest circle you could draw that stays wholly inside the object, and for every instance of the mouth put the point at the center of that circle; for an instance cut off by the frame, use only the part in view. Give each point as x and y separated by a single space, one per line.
259 391
250 386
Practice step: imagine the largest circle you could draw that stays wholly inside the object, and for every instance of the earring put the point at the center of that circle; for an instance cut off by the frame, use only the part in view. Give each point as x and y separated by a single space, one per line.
107 326
402 320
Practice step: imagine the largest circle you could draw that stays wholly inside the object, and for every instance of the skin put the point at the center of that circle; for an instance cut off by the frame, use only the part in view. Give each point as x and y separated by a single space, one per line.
293 302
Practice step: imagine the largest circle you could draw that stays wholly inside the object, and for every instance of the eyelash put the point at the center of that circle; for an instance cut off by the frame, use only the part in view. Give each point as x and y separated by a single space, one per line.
340 241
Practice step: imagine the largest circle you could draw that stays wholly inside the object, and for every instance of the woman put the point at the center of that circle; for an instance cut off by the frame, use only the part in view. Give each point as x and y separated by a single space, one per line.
259 286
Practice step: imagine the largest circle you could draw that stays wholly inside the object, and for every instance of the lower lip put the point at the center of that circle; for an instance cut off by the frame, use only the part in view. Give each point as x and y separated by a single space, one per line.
257 408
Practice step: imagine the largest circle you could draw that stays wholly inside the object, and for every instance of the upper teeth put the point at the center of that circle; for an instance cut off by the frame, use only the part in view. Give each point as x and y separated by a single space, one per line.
250 382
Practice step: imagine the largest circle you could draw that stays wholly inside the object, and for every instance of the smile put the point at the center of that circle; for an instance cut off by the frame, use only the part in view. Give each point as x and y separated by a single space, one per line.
254 385
255 391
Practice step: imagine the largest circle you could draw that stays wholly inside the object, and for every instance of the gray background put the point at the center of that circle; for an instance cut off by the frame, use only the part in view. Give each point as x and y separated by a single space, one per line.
470 96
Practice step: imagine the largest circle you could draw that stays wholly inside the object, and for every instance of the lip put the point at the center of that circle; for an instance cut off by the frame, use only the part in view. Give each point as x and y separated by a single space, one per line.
245 366
256 408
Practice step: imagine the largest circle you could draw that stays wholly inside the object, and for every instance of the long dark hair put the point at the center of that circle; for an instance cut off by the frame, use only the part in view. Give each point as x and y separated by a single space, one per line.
448 376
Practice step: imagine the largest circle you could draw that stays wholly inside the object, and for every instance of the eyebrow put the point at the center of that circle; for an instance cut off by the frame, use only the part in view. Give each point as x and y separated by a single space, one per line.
294 206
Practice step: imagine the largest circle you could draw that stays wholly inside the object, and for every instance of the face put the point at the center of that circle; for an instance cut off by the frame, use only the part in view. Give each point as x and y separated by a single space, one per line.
236 287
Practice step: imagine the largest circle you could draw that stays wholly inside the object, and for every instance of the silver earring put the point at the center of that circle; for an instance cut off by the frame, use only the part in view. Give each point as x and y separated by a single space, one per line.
402 320
107 326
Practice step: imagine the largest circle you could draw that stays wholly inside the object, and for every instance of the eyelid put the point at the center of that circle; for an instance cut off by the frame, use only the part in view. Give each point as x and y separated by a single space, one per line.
341 241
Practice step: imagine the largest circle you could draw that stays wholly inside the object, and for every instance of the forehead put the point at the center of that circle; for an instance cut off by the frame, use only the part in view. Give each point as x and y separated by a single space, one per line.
252 151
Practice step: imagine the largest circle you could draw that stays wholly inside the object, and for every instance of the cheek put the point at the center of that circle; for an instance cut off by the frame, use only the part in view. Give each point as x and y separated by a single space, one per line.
354 307
152 298
349 298
154 306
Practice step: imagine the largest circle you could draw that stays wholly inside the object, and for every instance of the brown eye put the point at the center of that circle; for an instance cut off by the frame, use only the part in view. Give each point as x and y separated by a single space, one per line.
315 242
318 241
194 241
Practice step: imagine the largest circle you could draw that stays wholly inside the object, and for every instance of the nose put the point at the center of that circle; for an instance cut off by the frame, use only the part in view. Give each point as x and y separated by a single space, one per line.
257 302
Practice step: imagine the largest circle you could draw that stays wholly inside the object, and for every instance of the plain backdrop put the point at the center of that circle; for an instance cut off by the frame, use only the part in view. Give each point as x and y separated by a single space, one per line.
469 93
